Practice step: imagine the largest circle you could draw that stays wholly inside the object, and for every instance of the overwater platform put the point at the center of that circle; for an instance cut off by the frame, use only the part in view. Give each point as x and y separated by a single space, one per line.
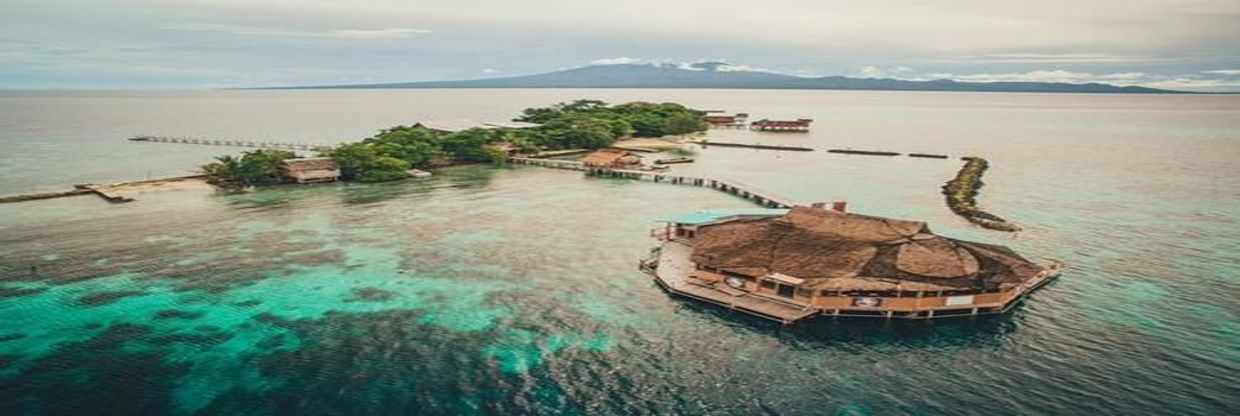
673 274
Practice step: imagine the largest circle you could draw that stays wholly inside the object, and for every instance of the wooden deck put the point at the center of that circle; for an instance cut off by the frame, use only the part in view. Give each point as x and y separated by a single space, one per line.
672 273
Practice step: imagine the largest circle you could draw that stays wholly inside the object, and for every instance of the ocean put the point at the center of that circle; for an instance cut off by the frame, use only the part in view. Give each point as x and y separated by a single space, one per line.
515 290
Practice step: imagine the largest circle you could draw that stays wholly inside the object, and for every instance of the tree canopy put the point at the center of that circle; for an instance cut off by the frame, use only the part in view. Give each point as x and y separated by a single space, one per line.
250 168
594 124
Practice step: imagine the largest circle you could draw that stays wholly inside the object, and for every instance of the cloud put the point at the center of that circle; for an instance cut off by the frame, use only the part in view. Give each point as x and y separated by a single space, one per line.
622 60
877 72
1224 72
698 65
388 33
1024 58
490 71
1176 82
741 68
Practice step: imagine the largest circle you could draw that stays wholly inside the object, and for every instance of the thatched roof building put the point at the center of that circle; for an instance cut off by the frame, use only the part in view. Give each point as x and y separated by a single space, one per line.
832 249
611 158
311 169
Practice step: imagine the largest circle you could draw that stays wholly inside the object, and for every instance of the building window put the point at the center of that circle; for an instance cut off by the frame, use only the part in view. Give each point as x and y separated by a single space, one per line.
768 284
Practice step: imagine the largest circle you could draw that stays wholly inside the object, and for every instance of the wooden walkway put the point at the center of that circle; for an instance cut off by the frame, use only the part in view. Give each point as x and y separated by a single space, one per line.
749 192
233 143
548 163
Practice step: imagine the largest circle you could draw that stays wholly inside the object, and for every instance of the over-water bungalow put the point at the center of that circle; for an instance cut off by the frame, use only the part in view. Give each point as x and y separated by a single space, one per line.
788 265
310 169
612 159
722 119
800 125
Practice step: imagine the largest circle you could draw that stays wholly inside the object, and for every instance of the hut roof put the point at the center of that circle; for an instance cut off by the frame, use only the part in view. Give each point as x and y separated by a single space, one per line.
310 163
609 156
829 248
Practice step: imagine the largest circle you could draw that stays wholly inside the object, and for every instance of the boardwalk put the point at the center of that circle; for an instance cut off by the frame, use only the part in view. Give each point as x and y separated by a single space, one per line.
233 143
750 192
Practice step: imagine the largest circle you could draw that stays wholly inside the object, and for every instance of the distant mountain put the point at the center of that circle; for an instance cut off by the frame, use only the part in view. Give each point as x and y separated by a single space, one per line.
723 75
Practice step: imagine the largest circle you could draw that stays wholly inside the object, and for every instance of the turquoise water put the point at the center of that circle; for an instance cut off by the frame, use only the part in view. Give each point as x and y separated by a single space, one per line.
515 290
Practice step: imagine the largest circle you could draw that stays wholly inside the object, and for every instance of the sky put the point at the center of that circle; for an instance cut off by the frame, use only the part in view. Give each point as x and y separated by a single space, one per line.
186 44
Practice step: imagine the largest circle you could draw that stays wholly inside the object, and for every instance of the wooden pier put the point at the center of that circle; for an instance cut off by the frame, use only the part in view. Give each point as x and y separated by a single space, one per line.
233 143
548 163
749 192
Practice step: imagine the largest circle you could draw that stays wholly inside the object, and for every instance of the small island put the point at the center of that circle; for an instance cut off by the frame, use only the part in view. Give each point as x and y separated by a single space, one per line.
393 152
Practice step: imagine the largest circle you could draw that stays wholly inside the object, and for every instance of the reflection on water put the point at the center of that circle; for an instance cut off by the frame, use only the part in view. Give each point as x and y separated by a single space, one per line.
515 290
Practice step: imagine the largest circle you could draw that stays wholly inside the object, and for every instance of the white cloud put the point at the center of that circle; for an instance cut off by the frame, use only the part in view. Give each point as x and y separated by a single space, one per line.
388 33
1224 72
622 60
872 72
490 71
1047 58
1175 82
877 72
741 68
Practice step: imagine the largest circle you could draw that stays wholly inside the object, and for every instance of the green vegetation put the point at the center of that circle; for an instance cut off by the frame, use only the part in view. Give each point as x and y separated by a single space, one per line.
588 124
251 168
593 124
962 191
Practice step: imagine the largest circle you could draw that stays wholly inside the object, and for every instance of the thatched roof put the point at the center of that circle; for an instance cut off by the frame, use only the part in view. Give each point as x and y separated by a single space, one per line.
310 163
829 248
610 157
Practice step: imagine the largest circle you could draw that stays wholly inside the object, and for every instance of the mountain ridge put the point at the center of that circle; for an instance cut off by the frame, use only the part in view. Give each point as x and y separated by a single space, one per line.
720 75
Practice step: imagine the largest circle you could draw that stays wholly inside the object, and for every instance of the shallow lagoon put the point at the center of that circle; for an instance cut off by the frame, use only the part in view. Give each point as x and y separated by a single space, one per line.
515 290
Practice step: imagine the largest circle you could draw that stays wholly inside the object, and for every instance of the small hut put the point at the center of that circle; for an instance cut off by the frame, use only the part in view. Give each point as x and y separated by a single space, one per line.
722 119
612 158
831 262
799 125
310 169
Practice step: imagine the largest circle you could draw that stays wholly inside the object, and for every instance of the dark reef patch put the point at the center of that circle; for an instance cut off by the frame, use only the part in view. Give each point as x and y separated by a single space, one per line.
177 314
68 381
11 337
195 339
371 294
104 298
8 292
248 303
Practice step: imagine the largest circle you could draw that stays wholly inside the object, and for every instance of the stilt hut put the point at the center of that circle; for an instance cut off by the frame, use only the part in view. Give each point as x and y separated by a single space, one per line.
310 169
812 261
